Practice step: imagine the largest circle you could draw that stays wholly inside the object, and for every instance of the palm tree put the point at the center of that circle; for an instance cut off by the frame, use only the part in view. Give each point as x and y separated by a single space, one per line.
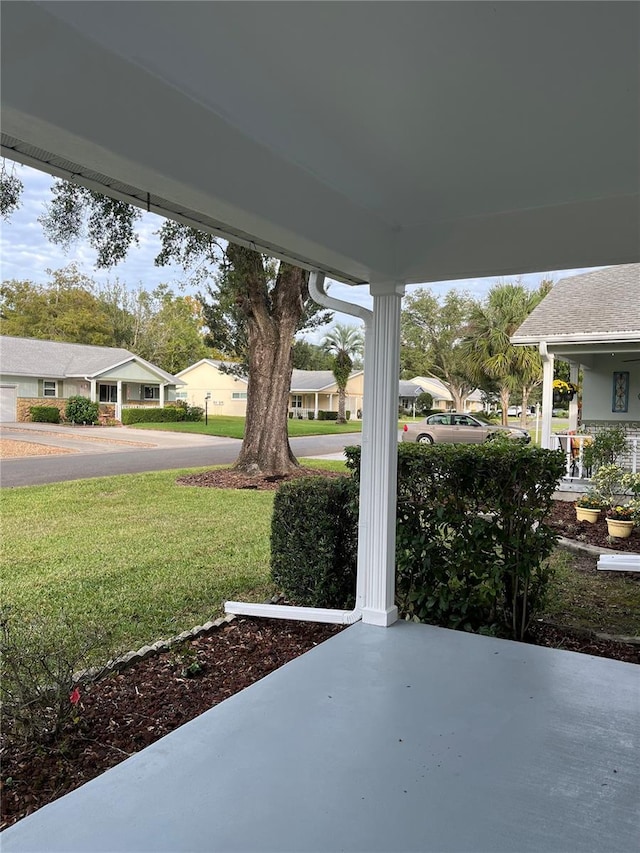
343 342
488 343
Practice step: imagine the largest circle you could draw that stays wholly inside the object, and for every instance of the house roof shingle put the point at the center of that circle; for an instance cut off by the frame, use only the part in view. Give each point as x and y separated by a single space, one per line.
55 359
601 303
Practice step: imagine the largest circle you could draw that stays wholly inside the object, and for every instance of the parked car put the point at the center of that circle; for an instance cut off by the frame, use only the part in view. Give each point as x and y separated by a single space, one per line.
458 428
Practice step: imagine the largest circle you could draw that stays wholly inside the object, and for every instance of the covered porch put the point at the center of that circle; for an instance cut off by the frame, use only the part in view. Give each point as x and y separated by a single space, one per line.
410 739
383 144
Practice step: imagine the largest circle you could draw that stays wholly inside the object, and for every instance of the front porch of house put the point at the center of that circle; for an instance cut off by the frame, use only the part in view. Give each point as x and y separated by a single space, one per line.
412 738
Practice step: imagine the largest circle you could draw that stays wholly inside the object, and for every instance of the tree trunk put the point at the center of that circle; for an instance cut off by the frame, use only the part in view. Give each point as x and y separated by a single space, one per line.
458 398
272 320
504 402
342 406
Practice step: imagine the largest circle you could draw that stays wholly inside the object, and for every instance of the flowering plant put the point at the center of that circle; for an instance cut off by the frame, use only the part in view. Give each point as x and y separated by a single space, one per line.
590 500
623 512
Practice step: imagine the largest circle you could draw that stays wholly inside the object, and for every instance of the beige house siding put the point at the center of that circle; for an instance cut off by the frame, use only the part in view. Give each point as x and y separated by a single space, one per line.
228 394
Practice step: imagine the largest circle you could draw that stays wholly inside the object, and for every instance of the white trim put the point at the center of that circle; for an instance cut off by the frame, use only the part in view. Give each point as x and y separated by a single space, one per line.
619 563
283 611
547 395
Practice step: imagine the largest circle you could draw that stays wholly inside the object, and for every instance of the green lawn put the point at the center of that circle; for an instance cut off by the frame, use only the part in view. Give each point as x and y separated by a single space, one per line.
606 602
148 558
139 554
230 427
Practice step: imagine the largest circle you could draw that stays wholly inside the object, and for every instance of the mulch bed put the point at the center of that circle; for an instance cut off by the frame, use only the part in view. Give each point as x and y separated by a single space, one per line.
127 711
563 519
228 478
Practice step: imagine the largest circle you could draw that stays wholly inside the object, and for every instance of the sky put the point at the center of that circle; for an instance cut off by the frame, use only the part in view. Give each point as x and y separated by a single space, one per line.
26 254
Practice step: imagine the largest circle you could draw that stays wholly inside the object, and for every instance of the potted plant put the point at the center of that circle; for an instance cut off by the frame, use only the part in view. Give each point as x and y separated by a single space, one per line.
589 506
620 521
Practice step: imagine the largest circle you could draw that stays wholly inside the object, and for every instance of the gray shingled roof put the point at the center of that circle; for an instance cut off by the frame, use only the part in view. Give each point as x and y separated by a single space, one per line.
32 357
311 380
604 302
408 389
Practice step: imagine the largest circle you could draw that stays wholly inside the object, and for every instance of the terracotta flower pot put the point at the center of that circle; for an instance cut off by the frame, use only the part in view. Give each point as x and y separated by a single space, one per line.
585 513
619 529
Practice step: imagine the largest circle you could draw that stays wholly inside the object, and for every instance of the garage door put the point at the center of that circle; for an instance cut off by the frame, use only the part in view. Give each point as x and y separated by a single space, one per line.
7 404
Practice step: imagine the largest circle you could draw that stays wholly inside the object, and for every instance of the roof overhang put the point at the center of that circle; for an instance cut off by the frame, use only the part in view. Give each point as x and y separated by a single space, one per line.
441 140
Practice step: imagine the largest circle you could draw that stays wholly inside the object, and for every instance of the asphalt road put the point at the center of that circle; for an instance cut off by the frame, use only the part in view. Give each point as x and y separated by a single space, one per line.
35 470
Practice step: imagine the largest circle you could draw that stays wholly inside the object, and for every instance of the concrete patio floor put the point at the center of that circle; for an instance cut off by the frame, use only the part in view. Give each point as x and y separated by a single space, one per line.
407 738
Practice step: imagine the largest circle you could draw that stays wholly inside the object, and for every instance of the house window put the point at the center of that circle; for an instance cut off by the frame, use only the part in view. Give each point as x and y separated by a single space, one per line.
49 388
238 395
151 392
108 393
181 395
296 401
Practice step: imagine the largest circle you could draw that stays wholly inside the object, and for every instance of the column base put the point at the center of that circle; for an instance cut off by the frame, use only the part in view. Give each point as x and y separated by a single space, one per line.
383 618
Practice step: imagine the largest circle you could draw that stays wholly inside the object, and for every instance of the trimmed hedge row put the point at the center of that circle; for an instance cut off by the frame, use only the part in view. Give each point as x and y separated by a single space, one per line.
314 541
149 416
471 544
45 414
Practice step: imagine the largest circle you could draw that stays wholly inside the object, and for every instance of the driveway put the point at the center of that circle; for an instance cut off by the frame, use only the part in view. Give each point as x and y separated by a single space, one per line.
72 453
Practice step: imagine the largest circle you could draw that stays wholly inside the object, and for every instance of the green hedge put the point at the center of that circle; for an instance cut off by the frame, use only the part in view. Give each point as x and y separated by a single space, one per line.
45 414
471 544
327 416
150 416
314 541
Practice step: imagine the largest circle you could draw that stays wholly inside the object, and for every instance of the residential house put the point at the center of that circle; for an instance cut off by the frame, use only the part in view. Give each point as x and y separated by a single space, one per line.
442 397
35 372
592 321
317 390
311 390
208 385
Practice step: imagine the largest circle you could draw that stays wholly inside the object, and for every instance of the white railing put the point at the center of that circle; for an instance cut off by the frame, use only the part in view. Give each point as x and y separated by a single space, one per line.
573 447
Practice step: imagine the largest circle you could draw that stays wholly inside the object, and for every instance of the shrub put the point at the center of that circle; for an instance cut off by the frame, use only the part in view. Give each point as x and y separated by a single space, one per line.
311 416
424 403
150 416
327 416
607 447
45 414
80 410
347 414
314 541
186 412
471 539
37 685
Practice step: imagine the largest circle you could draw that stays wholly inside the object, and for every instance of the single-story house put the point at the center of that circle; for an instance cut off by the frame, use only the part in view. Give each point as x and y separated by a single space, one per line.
208 385
226 394
317 390
36 372
592 321
442 397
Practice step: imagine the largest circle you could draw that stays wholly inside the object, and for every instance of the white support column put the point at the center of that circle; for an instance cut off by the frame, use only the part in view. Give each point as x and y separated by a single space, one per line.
119 400
547 394
573 404
378 467
161 396
94 391
315 409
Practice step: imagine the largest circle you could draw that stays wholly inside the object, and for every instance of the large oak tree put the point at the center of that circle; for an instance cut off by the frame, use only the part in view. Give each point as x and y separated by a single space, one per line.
252 305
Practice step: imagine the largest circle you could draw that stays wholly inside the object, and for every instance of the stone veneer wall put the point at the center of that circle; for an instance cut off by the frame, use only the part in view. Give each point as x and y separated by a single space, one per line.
23 406
106 414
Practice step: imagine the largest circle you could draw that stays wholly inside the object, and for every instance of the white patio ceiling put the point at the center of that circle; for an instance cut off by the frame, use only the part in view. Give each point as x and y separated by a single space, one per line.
375 141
